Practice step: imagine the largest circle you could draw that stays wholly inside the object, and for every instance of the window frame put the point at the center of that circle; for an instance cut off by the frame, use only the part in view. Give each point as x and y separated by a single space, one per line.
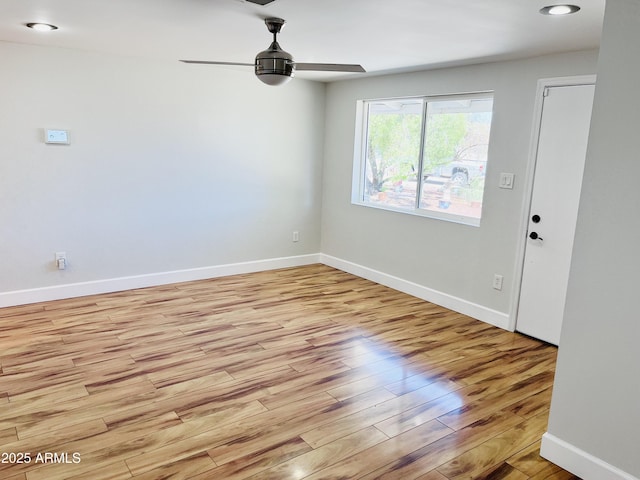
360 149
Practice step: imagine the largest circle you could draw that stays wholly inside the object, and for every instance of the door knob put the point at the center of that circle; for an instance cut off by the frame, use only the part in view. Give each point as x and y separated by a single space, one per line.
535 236
535 219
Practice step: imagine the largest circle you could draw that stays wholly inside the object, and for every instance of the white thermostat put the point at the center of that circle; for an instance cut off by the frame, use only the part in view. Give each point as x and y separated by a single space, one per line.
56 136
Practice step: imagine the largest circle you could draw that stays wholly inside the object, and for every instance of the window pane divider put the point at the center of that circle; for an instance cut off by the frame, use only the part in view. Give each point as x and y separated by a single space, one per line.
423 132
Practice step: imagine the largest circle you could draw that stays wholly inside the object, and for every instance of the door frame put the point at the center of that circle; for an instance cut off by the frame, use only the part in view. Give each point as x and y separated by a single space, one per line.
523 225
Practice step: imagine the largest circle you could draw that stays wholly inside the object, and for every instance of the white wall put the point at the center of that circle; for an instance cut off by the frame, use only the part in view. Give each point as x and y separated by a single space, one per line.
170 167
594 426
444 259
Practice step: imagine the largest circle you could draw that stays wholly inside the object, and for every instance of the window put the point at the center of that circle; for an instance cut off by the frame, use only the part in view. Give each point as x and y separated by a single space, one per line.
424 155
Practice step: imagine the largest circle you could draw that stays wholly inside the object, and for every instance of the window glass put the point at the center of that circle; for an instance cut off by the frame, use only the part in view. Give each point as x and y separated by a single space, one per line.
393 152
455 156
425 155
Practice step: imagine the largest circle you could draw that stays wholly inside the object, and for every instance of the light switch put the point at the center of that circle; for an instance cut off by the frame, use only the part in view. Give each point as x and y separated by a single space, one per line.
506 180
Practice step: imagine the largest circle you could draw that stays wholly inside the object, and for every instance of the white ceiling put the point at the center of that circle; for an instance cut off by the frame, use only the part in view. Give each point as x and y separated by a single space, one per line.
383 36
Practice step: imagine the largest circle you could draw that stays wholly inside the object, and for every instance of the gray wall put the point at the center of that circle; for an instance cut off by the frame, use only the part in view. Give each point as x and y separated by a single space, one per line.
596 396
170 167
454 259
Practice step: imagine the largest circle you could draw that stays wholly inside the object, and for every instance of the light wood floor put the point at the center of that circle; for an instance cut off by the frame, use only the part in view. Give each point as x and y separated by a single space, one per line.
304 373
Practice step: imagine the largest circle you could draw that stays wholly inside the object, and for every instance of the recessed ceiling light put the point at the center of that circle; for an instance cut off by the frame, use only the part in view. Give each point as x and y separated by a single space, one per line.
42 27
559 9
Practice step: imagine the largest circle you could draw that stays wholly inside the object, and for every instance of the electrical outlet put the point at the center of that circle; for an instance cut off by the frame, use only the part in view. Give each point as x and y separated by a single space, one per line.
296 236
497 281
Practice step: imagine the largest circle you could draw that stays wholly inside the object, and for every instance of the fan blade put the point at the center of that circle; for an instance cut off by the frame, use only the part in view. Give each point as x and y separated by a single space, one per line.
204 62
330 67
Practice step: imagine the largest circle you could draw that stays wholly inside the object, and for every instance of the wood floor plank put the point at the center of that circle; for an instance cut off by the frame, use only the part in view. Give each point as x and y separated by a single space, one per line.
384 453
20 476
111 471
432 475
533 405
61 436
492 402
423 413
231 436
325 456
372 416
32 423
429 457
99 471
553 472
257 462
46 395
495 451
501 472
306 419
529 461
136 433
182 469
304 372
8 435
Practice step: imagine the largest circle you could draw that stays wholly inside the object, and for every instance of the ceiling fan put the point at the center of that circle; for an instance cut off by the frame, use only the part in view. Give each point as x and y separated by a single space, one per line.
274 66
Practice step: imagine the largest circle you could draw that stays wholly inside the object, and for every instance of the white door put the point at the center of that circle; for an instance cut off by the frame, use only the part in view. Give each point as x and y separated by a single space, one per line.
562 146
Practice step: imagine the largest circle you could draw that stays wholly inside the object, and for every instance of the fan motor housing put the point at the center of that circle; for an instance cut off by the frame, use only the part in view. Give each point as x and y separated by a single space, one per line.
274 66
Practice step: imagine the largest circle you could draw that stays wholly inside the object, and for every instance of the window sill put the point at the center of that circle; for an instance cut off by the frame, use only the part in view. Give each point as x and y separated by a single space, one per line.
419 212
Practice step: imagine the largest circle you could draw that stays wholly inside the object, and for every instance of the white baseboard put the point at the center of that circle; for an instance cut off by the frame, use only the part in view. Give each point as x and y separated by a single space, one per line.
58 292
456 304
579 462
